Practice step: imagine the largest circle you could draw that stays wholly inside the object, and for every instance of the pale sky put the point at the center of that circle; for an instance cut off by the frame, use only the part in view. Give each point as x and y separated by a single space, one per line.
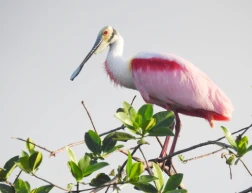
42 43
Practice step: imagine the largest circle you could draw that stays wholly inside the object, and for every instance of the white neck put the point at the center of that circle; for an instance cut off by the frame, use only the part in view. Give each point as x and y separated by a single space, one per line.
117 67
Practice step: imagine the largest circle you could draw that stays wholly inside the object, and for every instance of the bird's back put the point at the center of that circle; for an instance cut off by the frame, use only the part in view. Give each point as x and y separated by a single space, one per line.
170 81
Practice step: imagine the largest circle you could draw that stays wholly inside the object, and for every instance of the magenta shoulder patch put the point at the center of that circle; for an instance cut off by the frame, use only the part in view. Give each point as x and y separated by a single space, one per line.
155 64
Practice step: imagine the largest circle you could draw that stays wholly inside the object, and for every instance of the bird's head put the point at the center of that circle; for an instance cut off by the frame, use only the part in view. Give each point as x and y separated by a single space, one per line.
106 36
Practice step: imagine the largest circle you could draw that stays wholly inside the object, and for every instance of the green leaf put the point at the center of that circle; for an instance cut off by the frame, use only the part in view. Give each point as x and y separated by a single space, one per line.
23 164
93 142
160 131
151 123
108 142
22 186
181 158
35 160
164 118
71 154
92 168
176 191
146 178
146 187
70 186
30 145
138 120
35 190
159 175
121 136
126 107
230 160
124 118
129 164
24 153
84 162
249 148
146 111
242 146
112 173
142 141
3 174
129 110
44 189
229 137
6 189
75 170
173 182
100 179
136 170
10 165
113 149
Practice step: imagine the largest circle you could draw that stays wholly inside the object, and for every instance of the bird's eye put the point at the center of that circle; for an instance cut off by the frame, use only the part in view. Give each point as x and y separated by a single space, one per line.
105 32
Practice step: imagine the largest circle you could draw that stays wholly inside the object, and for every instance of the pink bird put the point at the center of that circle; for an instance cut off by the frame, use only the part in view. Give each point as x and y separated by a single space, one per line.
164 79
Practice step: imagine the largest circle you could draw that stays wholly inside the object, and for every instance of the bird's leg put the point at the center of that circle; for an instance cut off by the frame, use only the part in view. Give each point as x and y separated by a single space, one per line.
177 131
166 142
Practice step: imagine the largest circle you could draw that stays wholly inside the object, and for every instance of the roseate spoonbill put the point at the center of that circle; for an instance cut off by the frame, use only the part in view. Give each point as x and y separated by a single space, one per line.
163 79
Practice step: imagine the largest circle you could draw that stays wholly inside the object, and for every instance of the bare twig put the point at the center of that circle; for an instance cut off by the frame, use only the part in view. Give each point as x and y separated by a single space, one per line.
133 100
63 148
246 167
133 152
114 181
243 129
82 141
77 188
125 152
247 190
193 147
102 134
49 182
33 144
201 156
89 116
20 172
146 162
113 130
107 189
230 170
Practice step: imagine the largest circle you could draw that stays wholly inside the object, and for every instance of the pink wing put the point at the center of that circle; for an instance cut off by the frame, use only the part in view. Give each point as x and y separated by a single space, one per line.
172 82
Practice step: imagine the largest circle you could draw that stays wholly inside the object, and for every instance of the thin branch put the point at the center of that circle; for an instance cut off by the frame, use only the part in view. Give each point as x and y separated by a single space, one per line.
193 147
146 162
77 187
246 167
89 116
107 189
20 172
230 170
125 162
82 141
133 100
247 190
49 182
125 152
114 181
113 130
63 148
51 152
244 129
204 155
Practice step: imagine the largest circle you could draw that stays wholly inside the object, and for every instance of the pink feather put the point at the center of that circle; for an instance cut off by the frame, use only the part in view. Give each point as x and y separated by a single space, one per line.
174 83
